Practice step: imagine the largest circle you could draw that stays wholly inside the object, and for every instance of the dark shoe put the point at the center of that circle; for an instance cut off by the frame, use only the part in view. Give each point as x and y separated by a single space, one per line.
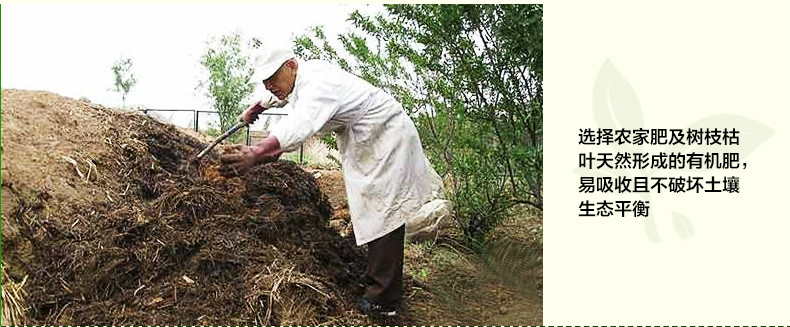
376 310
365 280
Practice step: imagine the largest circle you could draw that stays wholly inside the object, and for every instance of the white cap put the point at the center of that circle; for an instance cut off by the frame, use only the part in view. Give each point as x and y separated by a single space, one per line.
268 61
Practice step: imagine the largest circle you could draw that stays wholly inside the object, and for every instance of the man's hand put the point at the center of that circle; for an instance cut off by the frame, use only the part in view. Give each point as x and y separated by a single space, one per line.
251 114
237 164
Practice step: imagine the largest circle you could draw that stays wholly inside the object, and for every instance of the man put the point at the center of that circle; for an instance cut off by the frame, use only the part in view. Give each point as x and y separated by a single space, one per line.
387 175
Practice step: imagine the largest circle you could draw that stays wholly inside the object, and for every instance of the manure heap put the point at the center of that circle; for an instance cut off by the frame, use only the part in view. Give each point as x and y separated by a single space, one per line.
107 219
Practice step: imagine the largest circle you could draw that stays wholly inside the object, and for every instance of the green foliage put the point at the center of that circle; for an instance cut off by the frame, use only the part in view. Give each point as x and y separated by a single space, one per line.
330 140
471 76
227 70
124 78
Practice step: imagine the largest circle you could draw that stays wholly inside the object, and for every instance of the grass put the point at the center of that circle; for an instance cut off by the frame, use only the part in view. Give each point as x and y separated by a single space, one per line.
499 285
316 154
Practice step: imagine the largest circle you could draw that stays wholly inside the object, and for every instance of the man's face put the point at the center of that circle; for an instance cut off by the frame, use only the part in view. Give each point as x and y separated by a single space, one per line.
282 82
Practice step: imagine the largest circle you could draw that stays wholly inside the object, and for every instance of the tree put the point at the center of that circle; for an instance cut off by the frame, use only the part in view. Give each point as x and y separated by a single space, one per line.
124 78
227 67
471 77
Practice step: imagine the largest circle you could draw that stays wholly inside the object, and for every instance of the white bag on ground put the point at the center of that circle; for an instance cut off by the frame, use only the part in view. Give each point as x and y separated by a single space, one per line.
433 216
429 220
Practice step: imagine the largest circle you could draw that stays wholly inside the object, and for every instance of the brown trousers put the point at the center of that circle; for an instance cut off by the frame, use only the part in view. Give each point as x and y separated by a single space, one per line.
385 268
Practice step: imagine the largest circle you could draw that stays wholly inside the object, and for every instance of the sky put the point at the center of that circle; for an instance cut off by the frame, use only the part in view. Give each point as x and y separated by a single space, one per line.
70 49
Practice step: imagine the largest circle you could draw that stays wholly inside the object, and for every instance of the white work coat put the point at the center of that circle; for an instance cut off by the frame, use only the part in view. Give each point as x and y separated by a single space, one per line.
388 177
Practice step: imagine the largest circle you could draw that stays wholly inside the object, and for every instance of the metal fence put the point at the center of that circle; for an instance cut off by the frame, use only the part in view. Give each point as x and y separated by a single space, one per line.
196 114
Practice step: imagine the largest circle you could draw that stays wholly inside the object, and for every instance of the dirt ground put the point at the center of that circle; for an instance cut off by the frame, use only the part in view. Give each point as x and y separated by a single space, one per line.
107 218
448 284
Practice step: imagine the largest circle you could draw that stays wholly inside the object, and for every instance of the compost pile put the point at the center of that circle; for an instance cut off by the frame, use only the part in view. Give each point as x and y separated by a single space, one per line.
107 218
